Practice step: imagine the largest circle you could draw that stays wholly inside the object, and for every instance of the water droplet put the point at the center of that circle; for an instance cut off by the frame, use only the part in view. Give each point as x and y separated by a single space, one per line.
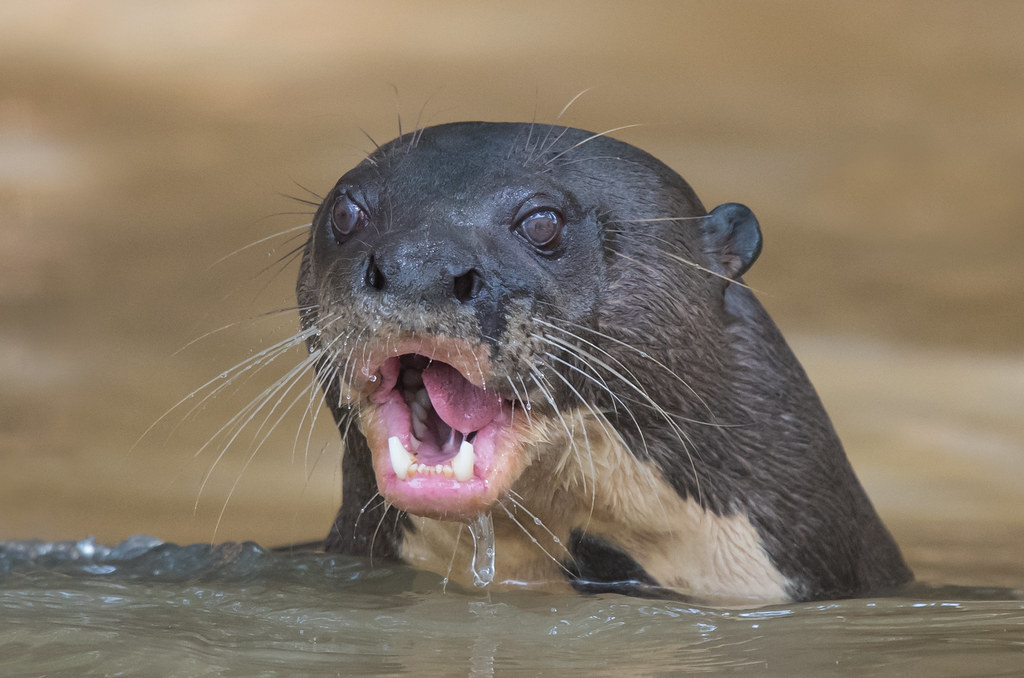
536 521
556 540
482 531
372 378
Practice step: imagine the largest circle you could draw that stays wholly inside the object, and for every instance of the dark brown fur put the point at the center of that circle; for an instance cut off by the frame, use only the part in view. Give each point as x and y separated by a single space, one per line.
640 320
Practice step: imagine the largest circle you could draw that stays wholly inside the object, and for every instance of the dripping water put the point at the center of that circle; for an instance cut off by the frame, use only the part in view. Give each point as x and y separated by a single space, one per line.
482 531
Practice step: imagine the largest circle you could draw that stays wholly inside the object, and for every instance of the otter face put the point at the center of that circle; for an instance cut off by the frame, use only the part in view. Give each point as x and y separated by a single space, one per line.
425 275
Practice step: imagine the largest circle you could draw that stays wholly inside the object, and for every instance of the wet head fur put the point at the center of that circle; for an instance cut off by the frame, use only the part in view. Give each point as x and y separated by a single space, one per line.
562 303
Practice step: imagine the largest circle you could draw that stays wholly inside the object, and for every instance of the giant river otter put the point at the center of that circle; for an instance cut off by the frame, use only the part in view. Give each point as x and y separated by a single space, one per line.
546 325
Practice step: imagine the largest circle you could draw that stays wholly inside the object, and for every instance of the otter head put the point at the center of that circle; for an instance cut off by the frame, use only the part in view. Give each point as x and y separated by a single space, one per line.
452 279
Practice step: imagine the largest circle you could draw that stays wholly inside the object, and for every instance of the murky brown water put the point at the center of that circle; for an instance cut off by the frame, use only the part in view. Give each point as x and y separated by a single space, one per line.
881 146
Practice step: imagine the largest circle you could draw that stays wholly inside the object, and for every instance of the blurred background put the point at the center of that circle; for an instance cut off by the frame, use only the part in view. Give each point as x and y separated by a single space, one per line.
880 144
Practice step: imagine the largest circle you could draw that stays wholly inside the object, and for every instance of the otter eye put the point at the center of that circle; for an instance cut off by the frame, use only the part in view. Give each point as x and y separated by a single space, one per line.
542 229
346 217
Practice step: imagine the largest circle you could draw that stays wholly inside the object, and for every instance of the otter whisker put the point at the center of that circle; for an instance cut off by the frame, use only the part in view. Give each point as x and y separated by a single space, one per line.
282 262
543 145
540 380
260 241
237 323
398 111
652 271
682 436
586 438
602 421
676 257
643 354
372 141
366 507
227 378
312 411
252 456
599 416
252 365
533 539
519 399
588 139
239 422
571 102
517 499
451 563
591 158
657 219
319 198
418 129
376 530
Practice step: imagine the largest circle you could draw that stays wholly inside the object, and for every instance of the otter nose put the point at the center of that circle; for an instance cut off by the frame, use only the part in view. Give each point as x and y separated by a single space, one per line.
421 276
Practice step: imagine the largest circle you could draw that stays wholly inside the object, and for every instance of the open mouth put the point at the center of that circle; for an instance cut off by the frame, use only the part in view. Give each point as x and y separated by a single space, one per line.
442 446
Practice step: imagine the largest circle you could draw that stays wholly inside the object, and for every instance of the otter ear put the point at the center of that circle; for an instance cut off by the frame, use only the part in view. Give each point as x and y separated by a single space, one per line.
732 237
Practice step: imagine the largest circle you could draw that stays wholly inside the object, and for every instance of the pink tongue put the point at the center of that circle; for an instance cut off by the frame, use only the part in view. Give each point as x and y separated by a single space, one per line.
463 406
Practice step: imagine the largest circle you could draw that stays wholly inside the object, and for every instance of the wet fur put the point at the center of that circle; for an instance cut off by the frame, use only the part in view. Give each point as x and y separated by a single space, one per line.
673 438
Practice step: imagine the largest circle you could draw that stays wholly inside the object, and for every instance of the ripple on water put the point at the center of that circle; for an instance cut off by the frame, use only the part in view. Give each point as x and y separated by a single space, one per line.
148 606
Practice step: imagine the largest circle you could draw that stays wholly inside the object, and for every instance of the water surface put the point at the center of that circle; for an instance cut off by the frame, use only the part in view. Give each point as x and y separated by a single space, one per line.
145 607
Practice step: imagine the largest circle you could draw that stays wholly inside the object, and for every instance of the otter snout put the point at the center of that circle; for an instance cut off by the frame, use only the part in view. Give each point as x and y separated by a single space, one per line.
422 282
428 273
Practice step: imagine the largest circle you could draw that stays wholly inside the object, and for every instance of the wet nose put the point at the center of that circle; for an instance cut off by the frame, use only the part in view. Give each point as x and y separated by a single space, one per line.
422 276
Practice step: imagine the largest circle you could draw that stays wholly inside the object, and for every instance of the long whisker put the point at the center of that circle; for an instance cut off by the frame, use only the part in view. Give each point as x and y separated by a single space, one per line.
252 455
676 257
451 563
227 378
238 423
293 229
637 351
539 379
534 539
590 138
571 102
632 383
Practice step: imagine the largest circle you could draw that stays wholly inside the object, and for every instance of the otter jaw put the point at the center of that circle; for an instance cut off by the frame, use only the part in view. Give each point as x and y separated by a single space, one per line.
442 447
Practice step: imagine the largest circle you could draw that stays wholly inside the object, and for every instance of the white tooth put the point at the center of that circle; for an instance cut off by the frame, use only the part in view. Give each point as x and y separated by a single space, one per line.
462 463
400 457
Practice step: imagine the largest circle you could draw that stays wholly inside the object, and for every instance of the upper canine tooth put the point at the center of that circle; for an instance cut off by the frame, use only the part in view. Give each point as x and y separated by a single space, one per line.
462 463
400 457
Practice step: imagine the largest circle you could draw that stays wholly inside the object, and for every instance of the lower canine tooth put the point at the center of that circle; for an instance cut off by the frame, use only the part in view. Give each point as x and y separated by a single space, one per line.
462 463
400 457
